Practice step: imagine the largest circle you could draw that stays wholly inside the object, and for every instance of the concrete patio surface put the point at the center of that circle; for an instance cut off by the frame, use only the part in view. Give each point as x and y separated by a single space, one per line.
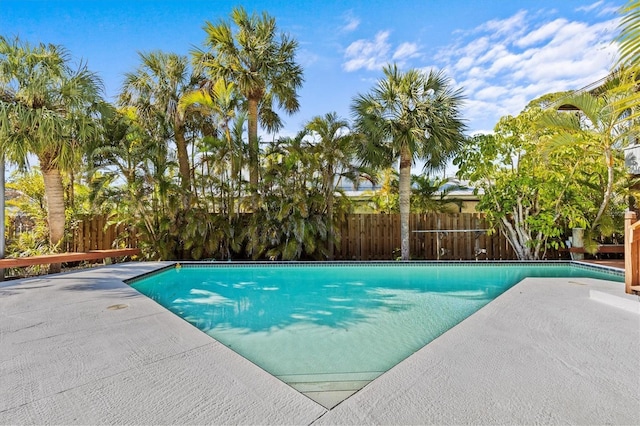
85 348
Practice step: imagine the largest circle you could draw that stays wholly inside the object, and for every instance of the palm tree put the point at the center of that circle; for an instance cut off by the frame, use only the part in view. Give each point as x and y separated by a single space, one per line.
335 150
628 64
124 153
155 89
434 195
219 103
407 117
260 64
47 109
290 221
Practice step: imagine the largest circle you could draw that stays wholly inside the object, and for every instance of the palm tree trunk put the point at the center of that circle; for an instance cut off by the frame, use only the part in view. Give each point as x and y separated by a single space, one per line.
608 190
405 200
331 237
71 193
232 168
183 165
254 146
54 192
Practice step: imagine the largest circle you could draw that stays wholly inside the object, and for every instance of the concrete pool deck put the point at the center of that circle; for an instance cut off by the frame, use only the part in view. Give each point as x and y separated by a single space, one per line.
85 348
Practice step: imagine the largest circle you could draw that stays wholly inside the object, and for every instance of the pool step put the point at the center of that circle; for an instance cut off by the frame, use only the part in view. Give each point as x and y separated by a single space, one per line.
331 389
628 302
329 386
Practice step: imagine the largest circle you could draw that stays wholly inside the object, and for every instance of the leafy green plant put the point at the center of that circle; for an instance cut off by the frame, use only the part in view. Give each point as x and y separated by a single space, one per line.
536 187
434 195
30 203
290 221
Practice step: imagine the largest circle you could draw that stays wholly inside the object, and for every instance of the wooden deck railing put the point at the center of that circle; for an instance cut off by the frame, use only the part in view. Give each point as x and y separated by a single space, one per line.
48 259
631 253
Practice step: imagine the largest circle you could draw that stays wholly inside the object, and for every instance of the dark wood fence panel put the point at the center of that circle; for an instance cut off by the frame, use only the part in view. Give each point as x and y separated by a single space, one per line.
96 233
460 236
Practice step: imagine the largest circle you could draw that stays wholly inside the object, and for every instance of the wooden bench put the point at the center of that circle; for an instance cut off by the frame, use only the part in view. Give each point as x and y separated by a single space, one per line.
47 259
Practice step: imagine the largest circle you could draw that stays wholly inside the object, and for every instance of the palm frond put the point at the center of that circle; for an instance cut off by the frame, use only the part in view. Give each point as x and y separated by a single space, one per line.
629 37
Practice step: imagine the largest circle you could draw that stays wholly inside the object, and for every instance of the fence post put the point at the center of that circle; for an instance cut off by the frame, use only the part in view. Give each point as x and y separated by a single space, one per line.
631 261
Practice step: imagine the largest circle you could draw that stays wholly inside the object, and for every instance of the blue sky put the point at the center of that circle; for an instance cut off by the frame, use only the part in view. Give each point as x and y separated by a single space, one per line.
501 53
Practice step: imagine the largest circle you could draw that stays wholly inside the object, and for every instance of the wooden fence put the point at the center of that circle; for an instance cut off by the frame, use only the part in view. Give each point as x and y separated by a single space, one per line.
96 233
461 236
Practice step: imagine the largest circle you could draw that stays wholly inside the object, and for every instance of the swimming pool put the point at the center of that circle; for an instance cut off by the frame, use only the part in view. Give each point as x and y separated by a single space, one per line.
329 329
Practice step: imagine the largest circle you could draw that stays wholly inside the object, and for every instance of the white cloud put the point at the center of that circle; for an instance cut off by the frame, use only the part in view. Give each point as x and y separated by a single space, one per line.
464 63
590 7
306 57
475 110
368 54
474 49
609 10
472 84
405 50
504 64
543 33
491 93
510 27
351 23
374 54
478 72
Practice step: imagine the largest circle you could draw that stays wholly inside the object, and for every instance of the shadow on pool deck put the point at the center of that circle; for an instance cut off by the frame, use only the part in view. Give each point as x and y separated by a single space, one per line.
543 352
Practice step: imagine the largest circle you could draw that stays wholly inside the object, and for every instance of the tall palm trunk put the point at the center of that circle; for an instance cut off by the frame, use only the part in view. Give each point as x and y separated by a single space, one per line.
54 192
254 146
234 172
71 192
331 236
184 167
608 189
405 199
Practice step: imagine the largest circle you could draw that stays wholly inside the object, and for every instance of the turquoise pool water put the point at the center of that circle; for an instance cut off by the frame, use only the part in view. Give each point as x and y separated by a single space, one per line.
339 323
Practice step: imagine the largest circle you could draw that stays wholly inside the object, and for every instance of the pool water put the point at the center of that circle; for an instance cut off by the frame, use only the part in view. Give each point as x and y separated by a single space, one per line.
335 327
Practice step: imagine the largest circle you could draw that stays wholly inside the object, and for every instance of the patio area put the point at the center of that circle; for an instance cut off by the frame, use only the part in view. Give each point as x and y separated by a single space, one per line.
85 348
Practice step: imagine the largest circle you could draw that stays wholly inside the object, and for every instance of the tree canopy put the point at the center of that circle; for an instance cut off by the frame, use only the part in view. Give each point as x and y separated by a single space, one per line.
261 63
